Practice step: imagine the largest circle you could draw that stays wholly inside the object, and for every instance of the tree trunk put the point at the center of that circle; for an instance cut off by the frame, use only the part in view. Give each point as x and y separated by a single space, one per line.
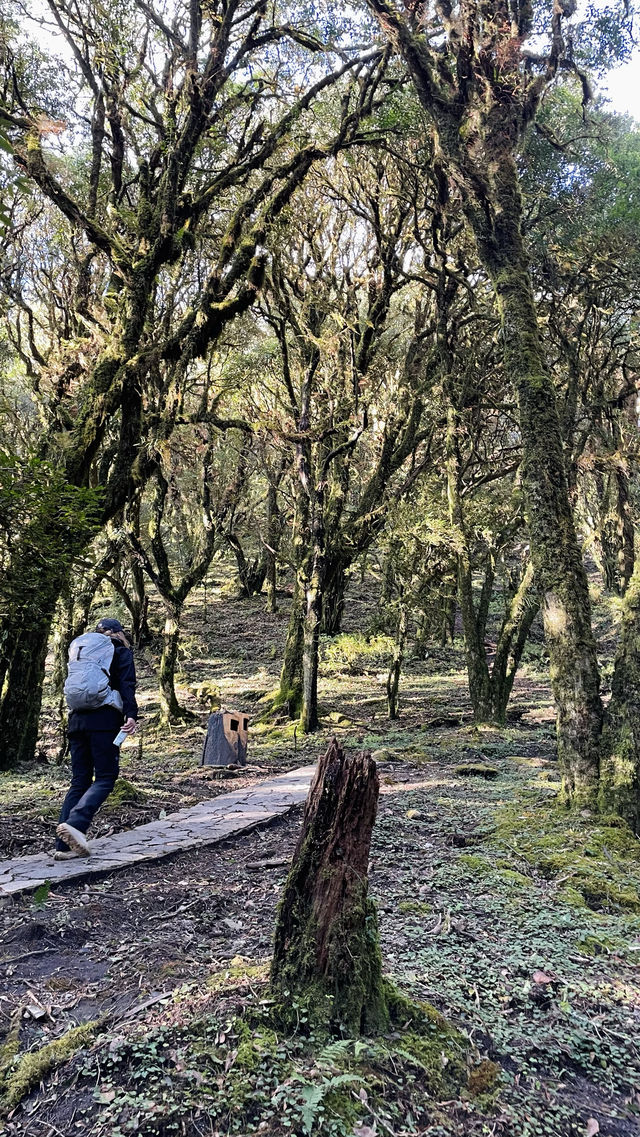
171 711
139 604
448 625
290 691
250 573
555 551
522 612
22 697
333 598
620 776
311 645
326 955
626 552
273 542
393 678
475 655
30 591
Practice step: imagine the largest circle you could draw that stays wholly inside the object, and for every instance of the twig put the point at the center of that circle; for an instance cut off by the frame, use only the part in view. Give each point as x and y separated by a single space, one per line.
19 958
376 1116
175 911
143 1006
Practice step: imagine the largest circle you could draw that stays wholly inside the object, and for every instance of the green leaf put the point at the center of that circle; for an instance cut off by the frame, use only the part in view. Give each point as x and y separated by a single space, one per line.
41 894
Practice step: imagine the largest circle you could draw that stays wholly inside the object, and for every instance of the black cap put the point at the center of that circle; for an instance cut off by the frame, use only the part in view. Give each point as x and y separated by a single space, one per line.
107 624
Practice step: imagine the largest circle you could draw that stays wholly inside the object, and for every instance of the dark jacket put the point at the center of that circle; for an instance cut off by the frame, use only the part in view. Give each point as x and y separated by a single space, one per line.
122 677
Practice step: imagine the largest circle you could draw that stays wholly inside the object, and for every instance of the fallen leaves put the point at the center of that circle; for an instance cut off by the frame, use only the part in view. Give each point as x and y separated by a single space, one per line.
541 977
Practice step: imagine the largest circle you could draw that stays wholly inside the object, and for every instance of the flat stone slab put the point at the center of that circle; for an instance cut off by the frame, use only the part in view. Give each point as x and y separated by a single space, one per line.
203 824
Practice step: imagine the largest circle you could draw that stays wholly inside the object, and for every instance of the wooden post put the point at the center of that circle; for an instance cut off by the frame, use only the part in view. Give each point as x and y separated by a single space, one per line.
327 953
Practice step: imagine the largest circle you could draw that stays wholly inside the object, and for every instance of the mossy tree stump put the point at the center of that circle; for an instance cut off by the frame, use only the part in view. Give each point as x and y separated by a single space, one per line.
327 953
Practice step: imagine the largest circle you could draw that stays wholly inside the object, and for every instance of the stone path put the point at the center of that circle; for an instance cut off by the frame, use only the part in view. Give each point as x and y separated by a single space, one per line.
202 824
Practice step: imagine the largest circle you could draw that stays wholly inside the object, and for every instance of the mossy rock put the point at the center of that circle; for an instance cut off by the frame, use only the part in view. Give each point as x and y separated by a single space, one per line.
334 718
208 693
384 755
125 793
476 770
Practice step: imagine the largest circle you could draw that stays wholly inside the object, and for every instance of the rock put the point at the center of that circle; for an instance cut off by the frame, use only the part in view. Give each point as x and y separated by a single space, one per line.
476 770
385 755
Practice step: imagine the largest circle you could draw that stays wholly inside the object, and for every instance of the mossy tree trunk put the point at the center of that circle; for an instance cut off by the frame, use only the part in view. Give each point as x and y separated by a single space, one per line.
620 777
326 954
174 593
479 129
252 572
311 645
476 659
170 708
334 595
289 693
395 670
274 532
556 556
521 612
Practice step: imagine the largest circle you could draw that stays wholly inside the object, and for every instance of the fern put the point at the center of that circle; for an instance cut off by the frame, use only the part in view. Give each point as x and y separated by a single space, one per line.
313 1096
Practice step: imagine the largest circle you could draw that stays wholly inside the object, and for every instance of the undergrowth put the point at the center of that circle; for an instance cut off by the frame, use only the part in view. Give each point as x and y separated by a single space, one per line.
215 1053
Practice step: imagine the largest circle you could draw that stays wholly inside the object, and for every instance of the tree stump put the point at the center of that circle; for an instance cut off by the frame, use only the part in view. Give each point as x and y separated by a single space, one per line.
327 952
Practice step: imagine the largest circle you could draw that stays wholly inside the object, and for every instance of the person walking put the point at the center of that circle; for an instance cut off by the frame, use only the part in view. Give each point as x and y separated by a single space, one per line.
101 695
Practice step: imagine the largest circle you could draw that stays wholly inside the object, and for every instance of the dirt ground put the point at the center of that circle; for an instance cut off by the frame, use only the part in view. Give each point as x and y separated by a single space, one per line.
478 917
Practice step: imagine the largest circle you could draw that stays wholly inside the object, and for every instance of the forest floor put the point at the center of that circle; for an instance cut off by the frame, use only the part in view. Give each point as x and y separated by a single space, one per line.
519 922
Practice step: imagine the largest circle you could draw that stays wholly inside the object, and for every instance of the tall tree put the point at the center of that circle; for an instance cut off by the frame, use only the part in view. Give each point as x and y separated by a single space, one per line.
188 159
480 84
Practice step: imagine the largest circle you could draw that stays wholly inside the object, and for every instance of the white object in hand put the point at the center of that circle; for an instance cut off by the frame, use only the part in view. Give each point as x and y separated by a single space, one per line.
120 737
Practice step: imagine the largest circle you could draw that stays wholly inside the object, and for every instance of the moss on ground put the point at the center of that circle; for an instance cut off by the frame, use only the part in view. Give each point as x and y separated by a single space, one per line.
595 860
125 793
29 1069
239 1068
414 907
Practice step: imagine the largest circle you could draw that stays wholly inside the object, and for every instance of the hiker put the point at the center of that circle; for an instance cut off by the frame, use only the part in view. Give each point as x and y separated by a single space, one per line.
100 690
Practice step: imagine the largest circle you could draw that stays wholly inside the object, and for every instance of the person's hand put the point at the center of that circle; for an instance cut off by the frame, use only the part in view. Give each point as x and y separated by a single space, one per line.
129 726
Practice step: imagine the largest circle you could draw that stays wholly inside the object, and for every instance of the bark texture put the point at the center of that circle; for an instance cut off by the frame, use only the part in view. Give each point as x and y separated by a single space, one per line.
620 774
327 954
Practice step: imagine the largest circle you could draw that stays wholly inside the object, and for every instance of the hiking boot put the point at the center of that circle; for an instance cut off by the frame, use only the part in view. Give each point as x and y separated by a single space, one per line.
74 838
65 854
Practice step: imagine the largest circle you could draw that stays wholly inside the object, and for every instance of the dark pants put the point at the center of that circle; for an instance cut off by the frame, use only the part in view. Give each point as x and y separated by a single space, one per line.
92 751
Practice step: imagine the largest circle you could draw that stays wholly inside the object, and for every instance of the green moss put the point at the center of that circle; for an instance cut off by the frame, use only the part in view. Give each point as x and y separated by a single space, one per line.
597 863
510 876
414 908
484 1078
253 1045
474 862
10 1047
33 1066
599 945
384 755
476 770
125 793
572 896
340 1103
238 974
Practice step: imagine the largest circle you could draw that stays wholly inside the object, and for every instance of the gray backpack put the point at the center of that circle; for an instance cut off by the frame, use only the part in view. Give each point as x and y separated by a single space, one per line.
87 686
